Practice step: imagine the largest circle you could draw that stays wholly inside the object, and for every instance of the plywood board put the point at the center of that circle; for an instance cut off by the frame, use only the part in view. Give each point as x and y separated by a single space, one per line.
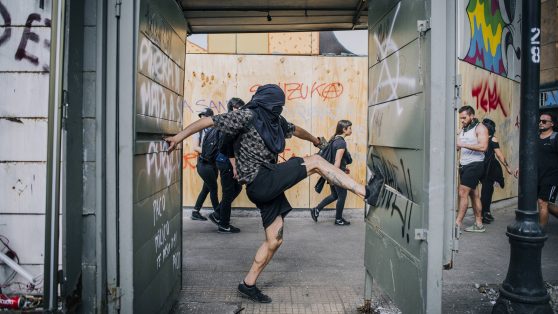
319 91
193 48
256 43
292 43
497 98
221 43
342 96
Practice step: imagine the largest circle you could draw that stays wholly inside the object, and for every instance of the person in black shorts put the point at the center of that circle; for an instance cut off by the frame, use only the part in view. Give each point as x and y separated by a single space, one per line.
262 132
548 168
340 158
226 164
471 143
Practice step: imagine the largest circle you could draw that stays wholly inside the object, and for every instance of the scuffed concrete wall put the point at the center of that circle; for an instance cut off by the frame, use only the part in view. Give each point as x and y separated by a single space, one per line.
24 80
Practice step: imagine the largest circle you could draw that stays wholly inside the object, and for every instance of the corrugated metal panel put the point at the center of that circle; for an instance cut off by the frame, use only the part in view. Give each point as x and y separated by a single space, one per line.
209 16
393 257
157 210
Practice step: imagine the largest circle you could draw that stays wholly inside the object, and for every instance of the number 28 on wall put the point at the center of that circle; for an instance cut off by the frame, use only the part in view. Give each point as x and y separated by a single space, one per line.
535 44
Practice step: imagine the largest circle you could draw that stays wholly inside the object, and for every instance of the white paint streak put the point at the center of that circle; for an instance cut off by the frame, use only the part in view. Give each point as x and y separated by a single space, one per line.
159 163
158 66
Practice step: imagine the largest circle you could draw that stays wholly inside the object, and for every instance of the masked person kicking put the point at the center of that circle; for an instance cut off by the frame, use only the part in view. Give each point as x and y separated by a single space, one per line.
262 132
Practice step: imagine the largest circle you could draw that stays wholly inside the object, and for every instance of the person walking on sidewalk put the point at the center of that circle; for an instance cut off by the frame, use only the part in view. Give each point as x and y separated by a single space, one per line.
472 143
492 170
262 132
226 164
547 168
204 144
340 159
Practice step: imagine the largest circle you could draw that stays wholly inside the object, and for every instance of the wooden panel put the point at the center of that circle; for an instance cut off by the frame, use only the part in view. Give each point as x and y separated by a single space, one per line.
343 97
292 43
252 43
193 48
210 79
319 91
495 97
20 146
23 189
221 43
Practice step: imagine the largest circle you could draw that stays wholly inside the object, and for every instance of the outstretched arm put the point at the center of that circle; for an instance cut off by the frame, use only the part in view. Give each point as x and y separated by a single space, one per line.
305 135
501 157
188 131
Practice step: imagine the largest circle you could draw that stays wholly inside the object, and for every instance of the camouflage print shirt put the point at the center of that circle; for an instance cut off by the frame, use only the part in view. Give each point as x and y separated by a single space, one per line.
251 151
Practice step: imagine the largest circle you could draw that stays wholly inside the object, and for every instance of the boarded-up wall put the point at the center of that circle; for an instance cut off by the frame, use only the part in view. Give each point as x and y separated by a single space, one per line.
489 50
319 91
497 98
24 78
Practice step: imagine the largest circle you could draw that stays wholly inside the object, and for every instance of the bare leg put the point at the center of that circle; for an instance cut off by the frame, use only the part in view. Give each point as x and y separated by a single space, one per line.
273 240
543 212
463 202
477 205
334 175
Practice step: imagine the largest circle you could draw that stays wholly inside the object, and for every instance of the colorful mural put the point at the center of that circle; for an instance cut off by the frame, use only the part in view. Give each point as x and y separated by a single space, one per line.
494 36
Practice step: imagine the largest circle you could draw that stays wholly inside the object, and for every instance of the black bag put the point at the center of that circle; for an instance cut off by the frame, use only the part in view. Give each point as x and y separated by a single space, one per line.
210 145
328 155
320 185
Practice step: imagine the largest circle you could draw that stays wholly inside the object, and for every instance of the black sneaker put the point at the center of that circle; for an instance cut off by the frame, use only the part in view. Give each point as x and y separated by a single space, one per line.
253 293
314 212
342 222
214 218
197 216
373 189
228 229
488 216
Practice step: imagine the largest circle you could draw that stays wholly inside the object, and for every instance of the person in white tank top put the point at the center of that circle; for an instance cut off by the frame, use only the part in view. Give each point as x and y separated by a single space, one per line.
472 142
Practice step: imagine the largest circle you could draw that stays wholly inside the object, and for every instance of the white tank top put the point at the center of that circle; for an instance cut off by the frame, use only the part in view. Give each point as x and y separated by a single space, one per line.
467 155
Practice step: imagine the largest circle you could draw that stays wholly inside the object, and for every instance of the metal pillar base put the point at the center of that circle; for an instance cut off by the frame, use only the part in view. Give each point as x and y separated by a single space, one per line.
523 290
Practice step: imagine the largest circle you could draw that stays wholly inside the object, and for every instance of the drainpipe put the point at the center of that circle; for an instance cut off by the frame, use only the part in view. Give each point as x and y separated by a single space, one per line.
52 206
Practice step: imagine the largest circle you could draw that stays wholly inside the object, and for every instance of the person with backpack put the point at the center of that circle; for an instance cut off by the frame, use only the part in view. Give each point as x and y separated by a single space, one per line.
226 164
206 144
336 153
262 131
492 170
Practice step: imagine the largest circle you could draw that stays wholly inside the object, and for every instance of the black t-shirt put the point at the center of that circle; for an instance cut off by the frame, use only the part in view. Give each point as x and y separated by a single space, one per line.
339 143
548 161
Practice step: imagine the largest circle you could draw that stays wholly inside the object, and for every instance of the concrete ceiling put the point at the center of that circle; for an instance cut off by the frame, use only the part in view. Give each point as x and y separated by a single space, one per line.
252 16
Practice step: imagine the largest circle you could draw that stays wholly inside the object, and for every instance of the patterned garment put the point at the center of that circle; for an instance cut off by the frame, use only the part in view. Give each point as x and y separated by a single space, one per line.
252 151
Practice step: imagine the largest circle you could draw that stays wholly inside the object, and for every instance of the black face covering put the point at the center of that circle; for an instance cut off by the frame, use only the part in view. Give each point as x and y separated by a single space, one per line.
267 104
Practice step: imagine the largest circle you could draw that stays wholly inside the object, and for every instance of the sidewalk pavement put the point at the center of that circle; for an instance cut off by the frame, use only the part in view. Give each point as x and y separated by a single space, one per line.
319 268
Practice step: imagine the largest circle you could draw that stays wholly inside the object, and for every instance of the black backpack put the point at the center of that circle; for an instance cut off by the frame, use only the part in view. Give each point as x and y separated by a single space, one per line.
211 141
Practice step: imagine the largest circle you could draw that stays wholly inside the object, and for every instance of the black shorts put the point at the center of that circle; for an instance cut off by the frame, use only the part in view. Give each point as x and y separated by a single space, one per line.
267 190
471 174
548 193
